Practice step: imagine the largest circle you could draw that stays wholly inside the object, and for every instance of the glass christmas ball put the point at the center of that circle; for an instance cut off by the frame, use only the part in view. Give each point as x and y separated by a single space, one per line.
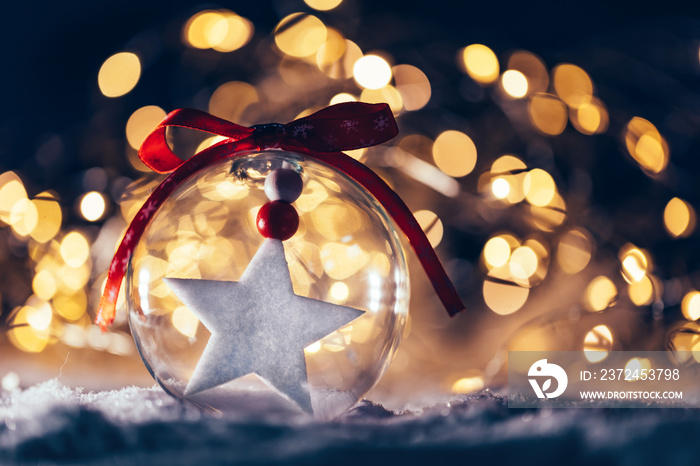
346 251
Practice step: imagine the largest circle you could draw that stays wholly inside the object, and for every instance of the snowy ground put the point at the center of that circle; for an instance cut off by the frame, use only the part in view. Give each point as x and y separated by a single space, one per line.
53 424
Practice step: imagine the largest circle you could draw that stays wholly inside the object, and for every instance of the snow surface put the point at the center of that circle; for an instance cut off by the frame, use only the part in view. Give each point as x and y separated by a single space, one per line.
53 424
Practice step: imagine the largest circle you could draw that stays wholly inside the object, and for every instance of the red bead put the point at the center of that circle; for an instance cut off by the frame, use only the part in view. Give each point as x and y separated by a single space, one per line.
278 220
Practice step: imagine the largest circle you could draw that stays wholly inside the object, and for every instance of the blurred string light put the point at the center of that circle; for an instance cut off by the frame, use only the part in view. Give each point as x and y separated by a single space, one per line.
222 30
119 74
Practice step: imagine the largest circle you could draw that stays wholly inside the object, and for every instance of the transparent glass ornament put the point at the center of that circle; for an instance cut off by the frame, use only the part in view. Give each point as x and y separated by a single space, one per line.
346 251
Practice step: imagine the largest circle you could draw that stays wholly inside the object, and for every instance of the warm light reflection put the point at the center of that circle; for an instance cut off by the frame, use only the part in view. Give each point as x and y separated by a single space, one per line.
431 225
634 263
387 94
523 263
548 114
500 188
332 49
342 98
480 63
300 35
514 83
372 72
454 153
641 292
413 85
539 187
185 321
92 206
238 31
533 68
468 384
496 251
74 249
504 298
141 123
679 218
231 100
119 74
49 218
339 292
600 294
590 118
646 145
24 217
323 5
597 343
11 191
690 306
573 85
574 251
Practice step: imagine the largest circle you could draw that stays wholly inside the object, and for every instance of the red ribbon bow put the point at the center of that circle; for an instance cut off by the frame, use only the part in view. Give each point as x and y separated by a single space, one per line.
322 136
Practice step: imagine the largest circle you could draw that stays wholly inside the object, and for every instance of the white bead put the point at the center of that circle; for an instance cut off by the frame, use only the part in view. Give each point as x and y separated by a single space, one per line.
283 184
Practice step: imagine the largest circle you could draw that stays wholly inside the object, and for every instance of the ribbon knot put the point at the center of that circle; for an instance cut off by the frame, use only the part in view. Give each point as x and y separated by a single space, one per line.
321 136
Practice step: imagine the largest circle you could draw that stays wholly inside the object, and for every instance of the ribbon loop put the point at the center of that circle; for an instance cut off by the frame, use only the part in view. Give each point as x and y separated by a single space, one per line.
321 136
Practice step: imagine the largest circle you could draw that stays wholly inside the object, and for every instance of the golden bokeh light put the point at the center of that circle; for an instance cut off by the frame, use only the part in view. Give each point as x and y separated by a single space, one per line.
597 343
39 315
24 217
119 74
504 298
341 261
339 292
496 251
547 113
44 285
11 191
24 335
185 321
641 292
372 72
205 29
431 225
237 32
323 5
679 218
634 263
49 217
533 68
343 67
454 153
511 170
300 35
690 305
75 249
387 94
332 49
646 145
523 263
574 250
232 99
514 83
480 63
500 188
549 217
342 98
413 85
600 294
573 85
539 187
141 123
71 306
93 206
590 118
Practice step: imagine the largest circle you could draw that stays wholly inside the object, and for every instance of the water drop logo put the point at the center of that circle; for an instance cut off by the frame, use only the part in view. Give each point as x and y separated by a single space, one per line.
541 369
